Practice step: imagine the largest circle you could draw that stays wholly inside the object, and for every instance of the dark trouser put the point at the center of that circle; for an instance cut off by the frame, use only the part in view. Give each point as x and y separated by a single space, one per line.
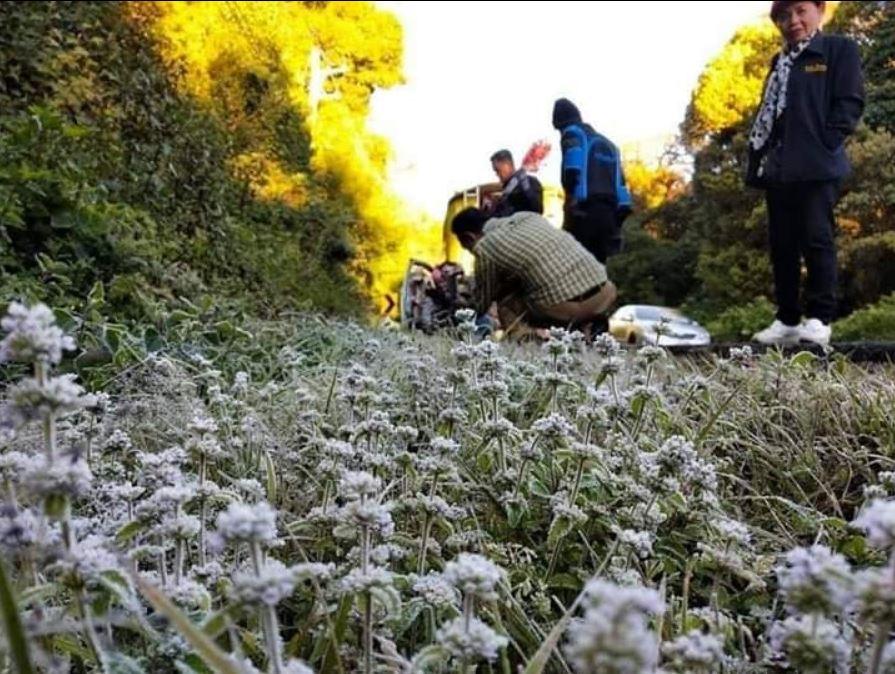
801 224
596 227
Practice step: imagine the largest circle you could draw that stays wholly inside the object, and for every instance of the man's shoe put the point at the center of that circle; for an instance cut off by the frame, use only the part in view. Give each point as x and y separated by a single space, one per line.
813 331
779 334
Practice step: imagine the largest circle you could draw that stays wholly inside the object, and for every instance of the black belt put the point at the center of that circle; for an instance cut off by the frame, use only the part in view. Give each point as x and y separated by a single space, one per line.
587 294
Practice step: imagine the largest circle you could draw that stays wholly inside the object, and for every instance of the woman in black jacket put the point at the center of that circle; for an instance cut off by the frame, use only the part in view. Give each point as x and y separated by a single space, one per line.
813 99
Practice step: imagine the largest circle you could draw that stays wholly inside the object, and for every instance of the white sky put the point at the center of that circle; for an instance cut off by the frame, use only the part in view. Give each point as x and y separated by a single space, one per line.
484 75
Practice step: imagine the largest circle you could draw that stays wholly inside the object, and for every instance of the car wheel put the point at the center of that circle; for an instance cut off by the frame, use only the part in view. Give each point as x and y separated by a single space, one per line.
632 338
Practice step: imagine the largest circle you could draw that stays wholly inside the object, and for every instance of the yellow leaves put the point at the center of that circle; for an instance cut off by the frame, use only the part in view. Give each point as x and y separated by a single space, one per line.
729 89
848 227
652 186
269 181
243 59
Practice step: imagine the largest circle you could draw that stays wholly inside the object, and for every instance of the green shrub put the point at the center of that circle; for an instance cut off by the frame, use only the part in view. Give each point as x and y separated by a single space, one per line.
876 322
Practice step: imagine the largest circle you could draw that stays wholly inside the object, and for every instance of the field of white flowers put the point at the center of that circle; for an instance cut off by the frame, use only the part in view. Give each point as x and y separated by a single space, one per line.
314 496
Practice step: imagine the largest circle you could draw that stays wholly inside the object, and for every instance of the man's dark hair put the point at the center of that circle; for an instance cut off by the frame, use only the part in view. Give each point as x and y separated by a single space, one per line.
469 221
502 155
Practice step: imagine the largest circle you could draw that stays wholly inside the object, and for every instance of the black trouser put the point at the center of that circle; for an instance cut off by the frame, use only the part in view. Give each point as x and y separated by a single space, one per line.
596 227
801 224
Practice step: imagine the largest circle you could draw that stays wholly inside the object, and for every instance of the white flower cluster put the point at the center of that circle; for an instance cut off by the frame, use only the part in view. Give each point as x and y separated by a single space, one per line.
32 335
359 484
614 634
59 396
809 644
470 642
694 652
554 427
815 580
68 476
436 590
242 523
878 521
474 575
641 542
273 583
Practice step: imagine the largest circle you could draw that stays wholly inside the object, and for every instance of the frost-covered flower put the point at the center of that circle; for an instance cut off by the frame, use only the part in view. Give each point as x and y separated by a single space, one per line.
249 489
273 583
815 580
809 644
32 335
119 441
640 541
90 558
242 523
614 634
68 476
875 594
201 424
59 396
478 642
731 530
179 528
436 590
474 575
554 426
189 594
19 529
358 581
445 446
878 521
376 516
359 484
694 652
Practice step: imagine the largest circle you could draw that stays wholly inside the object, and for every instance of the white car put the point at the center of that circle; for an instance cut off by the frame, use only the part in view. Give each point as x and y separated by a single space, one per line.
646 324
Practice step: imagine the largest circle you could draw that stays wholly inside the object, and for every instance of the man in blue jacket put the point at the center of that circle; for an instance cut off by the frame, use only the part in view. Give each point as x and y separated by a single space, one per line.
596 197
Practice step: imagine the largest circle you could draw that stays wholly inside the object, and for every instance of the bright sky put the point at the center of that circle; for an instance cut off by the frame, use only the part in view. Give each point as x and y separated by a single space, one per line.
484 75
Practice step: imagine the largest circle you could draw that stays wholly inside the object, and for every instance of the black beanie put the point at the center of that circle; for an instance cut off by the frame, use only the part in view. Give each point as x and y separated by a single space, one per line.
565 113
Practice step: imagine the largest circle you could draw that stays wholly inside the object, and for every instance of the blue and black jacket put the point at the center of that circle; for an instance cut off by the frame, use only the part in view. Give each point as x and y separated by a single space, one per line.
591 163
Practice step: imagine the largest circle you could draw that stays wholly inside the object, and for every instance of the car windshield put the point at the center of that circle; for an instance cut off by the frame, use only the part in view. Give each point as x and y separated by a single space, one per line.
656 313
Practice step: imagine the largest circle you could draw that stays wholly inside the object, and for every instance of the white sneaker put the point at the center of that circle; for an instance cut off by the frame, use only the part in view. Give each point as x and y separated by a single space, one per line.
815 332
778 333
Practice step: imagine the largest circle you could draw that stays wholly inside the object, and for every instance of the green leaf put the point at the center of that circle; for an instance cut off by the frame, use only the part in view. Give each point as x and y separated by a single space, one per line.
803 358
12 624
97 295
129 531
431 656
216 623
389 598
271 471
559 528
54 506
205 648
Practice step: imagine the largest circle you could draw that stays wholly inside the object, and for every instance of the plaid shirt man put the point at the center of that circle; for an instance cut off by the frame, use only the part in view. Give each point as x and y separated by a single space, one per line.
524 254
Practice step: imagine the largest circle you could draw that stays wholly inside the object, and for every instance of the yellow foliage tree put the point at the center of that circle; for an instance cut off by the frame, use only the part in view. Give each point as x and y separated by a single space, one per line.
729 88
245 60
652 186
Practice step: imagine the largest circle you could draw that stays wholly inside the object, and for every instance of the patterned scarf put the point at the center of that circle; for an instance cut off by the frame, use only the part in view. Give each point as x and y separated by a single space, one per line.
773 103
